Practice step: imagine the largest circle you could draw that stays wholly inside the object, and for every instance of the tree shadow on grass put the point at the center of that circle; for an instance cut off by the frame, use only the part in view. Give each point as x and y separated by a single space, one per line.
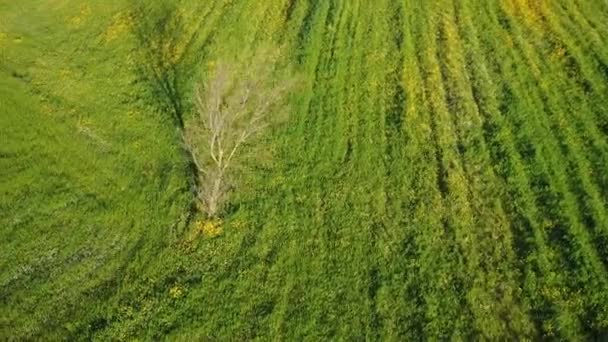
168 54
158 32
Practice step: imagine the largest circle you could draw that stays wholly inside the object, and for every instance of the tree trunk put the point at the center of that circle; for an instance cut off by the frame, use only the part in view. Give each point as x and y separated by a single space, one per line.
214 199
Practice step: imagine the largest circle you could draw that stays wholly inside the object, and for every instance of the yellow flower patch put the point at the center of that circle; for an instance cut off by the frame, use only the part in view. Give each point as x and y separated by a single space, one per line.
209 228
176 292
82 16
121 23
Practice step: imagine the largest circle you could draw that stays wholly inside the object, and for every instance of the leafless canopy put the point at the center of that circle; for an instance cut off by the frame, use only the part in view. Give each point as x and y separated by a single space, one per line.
237 104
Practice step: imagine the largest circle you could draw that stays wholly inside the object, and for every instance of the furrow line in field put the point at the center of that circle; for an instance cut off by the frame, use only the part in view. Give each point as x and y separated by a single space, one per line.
483 288
552 90
589 35
456 214
292 306
537 261
492 264
595 13
585 103
400 304
541 149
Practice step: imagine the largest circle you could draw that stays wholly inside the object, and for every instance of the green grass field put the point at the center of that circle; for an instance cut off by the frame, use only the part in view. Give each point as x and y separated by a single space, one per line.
443 173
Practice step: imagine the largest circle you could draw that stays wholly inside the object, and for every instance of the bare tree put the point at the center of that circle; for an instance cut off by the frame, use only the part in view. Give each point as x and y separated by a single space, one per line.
237 104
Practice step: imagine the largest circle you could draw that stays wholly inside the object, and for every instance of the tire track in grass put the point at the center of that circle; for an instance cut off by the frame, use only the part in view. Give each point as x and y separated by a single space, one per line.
247 31
584 182
310 40
584 255
579 25
292 268
348 310
460 204
258 297
347 121
357 243
399 300
276 19
554 94
306 42
367 194
280 14
307 300
327 309
279 257
348 248
206 28
550 181
595 13
344 71
455 210
585 103
295 16
554 90
582 61
323 106
305 32
305 60
336 203
408 301
290 289
500 312
268 244
590 60
539 265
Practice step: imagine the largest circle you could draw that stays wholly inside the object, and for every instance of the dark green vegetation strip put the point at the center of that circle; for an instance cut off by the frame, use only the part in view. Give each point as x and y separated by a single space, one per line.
443 172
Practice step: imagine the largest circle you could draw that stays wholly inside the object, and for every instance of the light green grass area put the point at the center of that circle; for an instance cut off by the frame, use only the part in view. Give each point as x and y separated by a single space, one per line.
443 173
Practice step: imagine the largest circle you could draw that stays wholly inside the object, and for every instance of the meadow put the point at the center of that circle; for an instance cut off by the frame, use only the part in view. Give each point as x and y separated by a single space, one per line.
442 173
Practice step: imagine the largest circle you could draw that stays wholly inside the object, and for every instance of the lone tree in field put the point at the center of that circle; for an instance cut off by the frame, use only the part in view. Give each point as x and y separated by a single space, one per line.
237 104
